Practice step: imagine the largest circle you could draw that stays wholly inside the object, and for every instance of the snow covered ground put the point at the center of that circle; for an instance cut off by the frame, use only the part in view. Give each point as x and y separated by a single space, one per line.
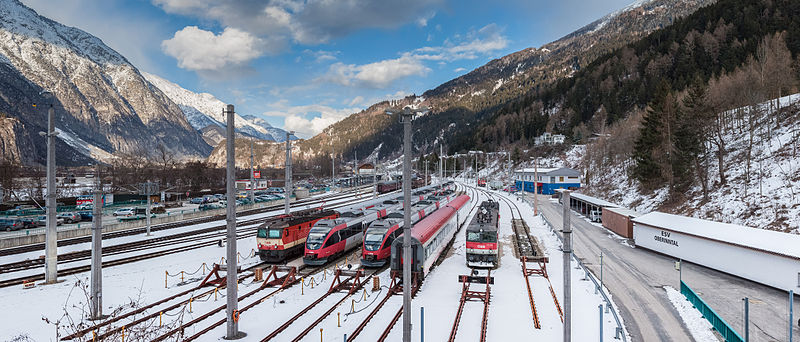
509 313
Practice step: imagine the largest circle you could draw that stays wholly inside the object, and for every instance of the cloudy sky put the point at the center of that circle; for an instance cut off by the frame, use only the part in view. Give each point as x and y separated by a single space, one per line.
304 64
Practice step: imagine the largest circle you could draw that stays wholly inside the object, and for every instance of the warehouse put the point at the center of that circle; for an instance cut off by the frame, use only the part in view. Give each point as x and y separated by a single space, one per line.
729 248
619 220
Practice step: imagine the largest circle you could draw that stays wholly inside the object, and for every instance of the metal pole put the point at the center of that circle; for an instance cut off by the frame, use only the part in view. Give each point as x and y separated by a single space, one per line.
51 235
567 248
288 176
252 175
407 224
746 319
232 307
600 308
422 324
148 187
97 248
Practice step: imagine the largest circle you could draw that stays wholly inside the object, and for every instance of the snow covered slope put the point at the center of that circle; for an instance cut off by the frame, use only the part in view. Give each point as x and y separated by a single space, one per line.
204 109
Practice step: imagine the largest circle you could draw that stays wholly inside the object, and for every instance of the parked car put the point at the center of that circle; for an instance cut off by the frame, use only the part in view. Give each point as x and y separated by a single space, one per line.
124 212
595 215
86 215
42 221
196 200
210 206
29 222
10 224
69 217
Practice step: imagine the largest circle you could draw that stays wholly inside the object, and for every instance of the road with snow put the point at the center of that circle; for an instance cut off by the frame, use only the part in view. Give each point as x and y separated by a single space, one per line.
637 277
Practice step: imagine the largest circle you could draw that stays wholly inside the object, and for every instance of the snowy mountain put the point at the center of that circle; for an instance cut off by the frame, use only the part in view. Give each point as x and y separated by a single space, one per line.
102 103
204 109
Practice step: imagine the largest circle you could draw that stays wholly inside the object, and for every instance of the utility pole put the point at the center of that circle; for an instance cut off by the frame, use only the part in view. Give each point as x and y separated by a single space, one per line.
51 234
96 310
406 116
252 175
288 176
567 248
232 307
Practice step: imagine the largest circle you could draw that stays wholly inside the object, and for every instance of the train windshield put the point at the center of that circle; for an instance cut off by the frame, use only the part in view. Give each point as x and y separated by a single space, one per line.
269 233
481 237
373 238
316 238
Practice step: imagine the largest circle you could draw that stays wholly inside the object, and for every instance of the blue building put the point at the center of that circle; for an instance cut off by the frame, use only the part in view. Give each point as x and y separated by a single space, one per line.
549 179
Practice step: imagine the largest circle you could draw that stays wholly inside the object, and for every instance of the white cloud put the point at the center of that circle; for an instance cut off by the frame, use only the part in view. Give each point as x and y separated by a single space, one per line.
375 75
484 41
357 100
308 120
305 21
198 49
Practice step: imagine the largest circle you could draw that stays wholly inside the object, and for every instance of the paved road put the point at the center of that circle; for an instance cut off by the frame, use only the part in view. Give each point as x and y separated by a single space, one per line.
636 278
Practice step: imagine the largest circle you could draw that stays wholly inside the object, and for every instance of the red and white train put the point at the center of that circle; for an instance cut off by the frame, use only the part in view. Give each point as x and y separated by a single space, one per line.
285 236
429 237
381 233
482 236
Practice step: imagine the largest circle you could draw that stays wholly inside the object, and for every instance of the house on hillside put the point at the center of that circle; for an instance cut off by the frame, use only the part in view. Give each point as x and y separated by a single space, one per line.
548 179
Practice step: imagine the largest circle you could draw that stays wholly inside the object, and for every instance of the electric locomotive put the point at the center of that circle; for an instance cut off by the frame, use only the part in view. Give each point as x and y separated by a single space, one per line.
285 236
482 236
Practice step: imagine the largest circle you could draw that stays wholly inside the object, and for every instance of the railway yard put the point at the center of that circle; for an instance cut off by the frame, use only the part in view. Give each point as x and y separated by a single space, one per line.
170 286
166 287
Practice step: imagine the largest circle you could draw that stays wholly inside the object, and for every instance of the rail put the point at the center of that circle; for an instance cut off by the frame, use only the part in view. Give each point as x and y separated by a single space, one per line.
620 331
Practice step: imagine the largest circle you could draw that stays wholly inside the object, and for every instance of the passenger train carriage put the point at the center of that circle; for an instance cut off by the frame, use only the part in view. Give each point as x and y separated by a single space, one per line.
482 236
332 237
285 236
429 238
381 233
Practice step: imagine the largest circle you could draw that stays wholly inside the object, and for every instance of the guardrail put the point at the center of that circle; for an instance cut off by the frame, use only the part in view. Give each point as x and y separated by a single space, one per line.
709 314
620 332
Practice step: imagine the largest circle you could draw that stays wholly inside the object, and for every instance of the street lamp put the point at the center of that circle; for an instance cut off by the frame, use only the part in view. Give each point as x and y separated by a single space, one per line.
405 117
51 235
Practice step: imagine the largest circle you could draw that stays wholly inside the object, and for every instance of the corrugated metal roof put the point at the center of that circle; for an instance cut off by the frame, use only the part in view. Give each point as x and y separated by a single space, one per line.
593 200
625 212
761 239
557 171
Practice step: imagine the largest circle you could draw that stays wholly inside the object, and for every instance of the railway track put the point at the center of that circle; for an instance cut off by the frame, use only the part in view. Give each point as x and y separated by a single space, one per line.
165 226
398 289
212 237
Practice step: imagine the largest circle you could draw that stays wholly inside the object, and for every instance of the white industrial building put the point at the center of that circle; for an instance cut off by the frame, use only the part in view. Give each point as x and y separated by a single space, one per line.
763 256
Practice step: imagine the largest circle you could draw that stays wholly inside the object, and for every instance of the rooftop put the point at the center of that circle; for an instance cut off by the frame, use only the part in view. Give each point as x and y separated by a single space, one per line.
769 241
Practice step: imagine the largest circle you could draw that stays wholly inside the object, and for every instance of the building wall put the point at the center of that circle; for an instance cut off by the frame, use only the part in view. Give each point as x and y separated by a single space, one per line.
782 273
617 223
545 188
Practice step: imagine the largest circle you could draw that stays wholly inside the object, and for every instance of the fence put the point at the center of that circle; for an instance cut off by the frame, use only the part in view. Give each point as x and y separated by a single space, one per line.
620 332
716 321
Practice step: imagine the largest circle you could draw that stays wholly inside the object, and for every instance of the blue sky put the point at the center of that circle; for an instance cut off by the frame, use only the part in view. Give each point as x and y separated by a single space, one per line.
304 64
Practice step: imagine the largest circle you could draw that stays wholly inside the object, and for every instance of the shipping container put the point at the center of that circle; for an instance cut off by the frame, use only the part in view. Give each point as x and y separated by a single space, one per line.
618 220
